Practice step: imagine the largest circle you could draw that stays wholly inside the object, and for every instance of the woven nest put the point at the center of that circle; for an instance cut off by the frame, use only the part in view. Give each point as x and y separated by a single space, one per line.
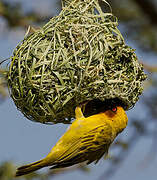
78 56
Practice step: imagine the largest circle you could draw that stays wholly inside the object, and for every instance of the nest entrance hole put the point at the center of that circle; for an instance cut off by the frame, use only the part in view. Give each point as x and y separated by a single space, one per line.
96 106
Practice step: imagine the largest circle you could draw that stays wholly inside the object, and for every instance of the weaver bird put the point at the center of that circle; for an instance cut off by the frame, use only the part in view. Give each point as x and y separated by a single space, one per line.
86 140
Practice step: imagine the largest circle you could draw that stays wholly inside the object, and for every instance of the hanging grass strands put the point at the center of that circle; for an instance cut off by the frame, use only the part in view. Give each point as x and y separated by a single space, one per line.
78 56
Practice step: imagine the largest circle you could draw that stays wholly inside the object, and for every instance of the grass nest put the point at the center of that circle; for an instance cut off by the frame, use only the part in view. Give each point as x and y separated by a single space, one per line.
78 56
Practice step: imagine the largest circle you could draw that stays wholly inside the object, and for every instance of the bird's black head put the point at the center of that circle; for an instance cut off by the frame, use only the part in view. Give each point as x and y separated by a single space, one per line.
96 106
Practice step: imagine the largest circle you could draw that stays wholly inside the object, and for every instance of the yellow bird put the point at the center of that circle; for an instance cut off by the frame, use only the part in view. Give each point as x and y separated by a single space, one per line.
86 140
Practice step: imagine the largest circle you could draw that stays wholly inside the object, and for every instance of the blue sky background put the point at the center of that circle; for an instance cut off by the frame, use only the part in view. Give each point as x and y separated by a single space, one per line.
23 141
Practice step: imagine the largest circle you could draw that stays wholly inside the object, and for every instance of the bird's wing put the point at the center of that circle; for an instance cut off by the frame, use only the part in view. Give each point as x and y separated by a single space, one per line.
98 136
97 142
91 146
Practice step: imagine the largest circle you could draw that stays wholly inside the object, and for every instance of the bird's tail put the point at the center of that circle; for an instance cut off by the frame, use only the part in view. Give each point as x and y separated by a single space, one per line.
30 168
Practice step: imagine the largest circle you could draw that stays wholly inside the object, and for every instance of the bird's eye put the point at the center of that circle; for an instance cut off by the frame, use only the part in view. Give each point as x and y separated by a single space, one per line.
114 109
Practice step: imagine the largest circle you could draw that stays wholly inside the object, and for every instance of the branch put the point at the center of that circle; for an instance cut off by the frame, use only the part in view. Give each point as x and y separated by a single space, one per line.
149 68
15 16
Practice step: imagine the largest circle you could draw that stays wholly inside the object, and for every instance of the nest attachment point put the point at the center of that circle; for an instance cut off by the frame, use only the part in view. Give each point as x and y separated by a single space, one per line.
78 56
